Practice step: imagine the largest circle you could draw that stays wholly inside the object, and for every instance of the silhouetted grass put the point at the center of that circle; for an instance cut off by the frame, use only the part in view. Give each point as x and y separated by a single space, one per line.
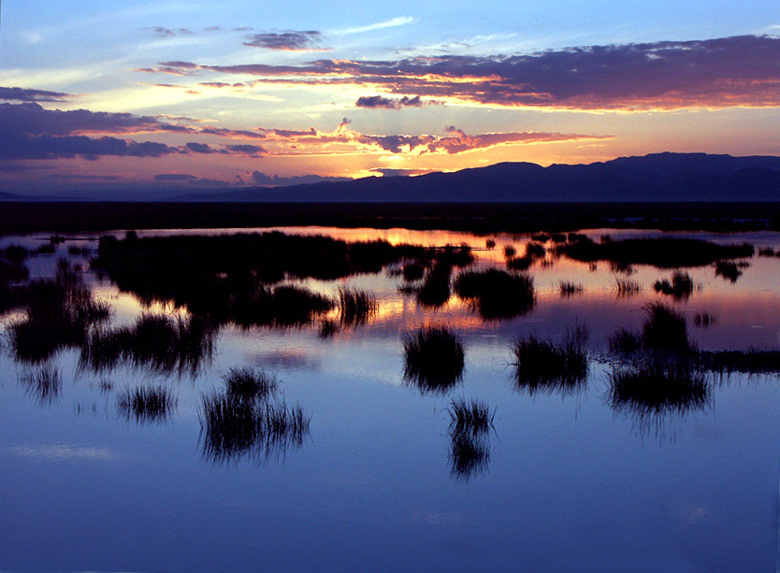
356 306
627 287
664 329
413 271
470 416
568 289
434 358
280 306
535 250
59 312
43 384
625 341
435 290
159 343
766 252
497 294
662 252
546 366
519 263
490 244
728 270
147 404
680 287
510 252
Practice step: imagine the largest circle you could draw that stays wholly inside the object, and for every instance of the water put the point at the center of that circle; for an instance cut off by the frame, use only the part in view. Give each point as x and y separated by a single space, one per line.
569 483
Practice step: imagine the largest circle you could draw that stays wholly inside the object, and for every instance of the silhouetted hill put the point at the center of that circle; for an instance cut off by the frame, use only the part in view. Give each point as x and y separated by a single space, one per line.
656 177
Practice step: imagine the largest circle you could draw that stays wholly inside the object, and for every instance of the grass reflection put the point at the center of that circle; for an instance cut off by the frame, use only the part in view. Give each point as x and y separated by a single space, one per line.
241 421
543 366
43 384
161 344
470 425
147 404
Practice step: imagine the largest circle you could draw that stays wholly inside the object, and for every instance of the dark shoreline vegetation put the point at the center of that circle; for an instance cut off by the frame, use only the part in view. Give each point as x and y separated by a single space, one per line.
70 217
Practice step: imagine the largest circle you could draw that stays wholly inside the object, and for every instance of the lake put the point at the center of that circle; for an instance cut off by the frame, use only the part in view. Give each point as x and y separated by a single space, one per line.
568 473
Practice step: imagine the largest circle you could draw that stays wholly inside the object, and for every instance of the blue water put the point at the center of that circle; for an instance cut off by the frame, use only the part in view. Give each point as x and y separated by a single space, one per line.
570 484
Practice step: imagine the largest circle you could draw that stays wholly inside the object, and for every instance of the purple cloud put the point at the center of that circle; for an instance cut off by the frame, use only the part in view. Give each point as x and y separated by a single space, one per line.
289 41
720 72
265 180
388 103
31 95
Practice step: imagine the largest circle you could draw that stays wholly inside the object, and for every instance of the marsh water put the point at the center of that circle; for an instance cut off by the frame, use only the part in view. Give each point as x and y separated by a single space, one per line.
567 478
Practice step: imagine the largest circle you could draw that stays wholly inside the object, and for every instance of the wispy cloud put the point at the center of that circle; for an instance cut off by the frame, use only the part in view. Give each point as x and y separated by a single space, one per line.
717 73
394 22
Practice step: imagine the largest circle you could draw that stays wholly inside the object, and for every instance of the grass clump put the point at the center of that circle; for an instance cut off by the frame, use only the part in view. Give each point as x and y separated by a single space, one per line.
497 294
728 270
59 313
625 341
147 404
435 290
543 365
680 287
356 306
434 358
470 416
664 329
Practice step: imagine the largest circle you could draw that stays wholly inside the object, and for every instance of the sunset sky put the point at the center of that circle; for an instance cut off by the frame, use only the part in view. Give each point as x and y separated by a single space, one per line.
110 96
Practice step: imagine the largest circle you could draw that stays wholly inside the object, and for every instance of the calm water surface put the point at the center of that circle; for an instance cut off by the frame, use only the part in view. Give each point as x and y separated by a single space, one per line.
570 484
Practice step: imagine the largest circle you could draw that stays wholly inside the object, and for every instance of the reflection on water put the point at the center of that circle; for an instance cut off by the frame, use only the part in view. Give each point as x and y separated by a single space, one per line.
242 421
42 383
350 340
470 424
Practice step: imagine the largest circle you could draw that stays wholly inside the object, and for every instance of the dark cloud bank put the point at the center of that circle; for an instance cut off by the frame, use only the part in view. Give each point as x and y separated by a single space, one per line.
721 72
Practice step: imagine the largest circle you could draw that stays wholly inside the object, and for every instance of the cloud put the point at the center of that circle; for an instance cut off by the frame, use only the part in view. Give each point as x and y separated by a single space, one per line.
388 103
343 139
31 95
715 73
265 180
174 177
32 132
289 41
245 149
378 26
161 32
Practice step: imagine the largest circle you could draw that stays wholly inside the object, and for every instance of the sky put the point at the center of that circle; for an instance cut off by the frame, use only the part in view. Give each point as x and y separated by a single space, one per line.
112 96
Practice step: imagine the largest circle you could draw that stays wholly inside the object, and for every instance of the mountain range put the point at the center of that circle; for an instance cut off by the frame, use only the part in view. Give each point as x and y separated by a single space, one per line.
656 177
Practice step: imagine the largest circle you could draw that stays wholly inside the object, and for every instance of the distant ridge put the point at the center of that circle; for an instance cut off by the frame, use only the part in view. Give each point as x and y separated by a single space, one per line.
655 177
660 177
